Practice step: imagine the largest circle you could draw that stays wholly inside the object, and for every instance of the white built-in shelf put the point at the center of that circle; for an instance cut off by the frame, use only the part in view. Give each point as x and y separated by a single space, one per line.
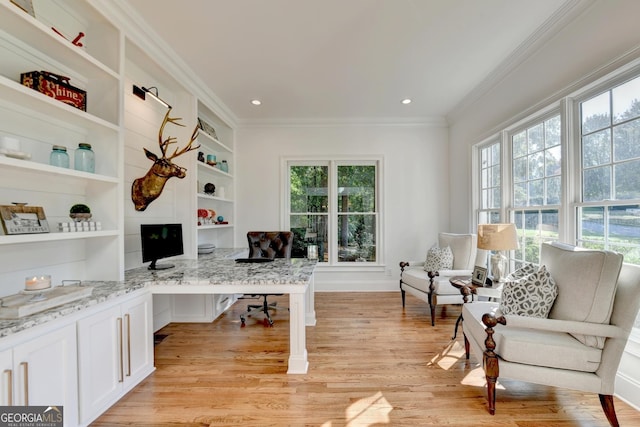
35 33
51 237
206 168
217 144
208 197
44 106
213 226
8 163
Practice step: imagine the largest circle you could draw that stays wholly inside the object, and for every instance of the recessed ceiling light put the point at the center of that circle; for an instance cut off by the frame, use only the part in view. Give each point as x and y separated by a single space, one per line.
256 102
406 101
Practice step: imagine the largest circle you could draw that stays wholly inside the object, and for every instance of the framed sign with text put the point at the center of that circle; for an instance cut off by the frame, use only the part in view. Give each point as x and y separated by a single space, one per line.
22 219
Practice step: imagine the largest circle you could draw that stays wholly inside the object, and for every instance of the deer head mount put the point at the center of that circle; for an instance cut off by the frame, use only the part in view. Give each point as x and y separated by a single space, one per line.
146 189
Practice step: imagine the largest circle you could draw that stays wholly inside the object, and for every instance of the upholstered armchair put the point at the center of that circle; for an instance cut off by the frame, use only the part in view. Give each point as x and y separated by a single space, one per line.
270 245
579 345
433 286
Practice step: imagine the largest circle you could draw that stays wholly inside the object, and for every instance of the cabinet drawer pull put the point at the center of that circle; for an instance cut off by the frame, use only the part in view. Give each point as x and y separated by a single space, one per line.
121 368
9 373
25 372
127 319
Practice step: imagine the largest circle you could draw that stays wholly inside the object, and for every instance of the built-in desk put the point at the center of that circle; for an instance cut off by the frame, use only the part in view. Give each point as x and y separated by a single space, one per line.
216 274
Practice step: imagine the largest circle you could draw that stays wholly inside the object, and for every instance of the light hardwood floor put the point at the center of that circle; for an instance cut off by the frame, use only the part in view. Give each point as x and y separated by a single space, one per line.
371 364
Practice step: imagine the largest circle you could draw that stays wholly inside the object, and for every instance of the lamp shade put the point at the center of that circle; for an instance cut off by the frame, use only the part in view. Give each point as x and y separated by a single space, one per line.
497 237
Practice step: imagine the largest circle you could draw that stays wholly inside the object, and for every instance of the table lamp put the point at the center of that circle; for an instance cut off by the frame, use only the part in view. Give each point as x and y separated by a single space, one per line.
498 238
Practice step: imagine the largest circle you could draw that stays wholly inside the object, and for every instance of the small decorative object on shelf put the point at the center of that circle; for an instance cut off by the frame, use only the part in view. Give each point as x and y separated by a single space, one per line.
10 147
73 226
148 188
207 128
75 42
224 166
220 218
22 219
37 283
200 156
209 189
59 156
211 159
55 86
84 159
206 216
80 212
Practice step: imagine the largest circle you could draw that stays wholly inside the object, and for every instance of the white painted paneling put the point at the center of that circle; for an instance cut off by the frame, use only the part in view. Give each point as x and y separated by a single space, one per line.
142 122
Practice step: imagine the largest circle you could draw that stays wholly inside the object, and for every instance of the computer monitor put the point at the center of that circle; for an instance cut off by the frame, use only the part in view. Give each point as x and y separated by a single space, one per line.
160 241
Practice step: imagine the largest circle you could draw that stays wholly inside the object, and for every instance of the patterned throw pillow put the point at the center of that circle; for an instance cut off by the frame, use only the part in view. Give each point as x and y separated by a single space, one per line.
439 259
523 271
532 295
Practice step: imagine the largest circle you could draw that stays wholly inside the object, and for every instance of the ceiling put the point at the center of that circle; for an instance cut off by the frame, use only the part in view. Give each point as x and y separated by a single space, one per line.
348 60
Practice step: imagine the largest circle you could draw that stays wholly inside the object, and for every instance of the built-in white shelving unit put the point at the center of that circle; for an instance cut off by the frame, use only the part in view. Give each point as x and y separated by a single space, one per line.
38 122
222 201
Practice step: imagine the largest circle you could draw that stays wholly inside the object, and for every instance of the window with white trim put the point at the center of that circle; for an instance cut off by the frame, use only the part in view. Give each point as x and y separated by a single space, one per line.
591 199
334 206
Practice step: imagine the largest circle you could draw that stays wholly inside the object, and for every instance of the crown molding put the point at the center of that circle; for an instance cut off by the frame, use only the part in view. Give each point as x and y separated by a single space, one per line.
569 11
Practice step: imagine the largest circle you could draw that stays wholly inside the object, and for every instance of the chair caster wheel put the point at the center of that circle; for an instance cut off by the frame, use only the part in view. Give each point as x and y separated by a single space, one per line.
242 322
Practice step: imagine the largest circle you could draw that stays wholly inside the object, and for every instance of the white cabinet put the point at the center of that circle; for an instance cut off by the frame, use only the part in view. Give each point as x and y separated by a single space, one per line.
38 122
115 352
43 372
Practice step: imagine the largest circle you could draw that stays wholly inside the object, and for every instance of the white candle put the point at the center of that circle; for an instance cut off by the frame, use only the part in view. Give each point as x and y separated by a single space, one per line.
34 283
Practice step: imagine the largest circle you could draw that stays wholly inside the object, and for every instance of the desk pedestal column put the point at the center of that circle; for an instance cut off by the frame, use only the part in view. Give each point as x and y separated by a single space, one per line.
298 363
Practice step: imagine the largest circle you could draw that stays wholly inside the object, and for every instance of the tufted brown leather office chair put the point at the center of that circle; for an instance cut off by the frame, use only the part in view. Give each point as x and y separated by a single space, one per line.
267 244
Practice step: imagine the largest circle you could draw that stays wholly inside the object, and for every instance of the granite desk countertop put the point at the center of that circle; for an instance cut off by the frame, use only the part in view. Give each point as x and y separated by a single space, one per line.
218 267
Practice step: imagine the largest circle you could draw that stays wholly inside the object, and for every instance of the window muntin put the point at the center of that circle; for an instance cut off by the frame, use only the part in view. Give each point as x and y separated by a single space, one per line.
490 184
534 227
536 164
610 141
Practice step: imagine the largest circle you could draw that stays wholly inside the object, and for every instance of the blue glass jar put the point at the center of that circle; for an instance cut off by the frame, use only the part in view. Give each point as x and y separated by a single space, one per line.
224 166
84 159
59 156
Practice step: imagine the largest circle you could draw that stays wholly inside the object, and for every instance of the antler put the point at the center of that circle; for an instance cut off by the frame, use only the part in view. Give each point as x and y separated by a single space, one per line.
171 140
189 146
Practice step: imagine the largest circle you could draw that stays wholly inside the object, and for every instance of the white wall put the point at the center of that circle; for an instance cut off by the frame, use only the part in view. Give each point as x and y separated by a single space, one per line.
416 186
600 40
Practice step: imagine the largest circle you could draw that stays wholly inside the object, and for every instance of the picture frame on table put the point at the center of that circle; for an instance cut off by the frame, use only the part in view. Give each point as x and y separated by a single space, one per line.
26 5
207 128
479 275
21 219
